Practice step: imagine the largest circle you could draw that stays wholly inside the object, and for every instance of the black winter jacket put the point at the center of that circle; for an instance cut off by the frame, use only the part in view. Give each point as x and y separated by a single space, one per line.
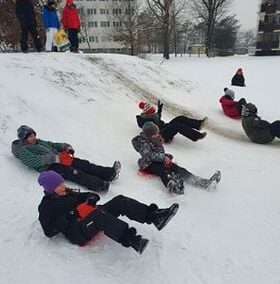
238 80
54 214
257 130
25 13
155 118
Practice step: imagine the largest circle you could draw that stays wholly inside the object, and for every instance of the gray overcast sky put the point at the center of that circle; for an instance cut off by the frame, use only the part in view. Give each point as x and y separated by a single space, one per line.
246 11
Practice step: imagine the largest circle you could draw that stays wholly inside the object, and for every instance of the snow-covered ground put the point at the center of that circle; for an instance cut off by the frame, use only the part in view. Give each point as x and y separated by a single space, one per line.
228 236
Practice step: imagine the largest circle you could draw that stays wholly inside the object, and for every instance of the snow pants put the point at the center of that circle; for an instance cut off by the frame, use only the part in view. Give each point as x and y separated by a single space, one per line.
49 38
158 169
73 38
24 37
105 218
275 128
188 127
85 173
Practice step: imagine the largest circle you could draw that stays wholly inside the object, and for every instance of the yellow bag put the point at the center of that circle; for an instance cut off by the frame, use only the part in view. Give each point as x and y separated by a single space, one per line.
61 40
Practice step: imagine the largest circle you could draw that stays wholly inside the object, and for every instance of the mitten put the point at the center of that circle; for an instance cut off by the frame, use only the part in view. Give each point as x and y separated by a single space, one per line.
160 105
65 159
70 150
93 199
170 156
49 159
167 163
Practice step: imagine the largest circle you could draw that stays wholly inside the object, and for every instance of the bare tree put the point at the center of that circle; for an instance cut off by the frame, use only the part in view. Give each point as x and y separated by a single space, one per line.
247 38
84 19
209 13
162 10
148 31
125 17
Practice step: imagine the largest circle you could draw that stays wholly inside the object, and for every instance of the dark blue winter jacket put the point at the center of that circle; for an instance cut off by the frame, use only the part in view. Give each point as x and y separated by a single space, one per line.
25 13
50 18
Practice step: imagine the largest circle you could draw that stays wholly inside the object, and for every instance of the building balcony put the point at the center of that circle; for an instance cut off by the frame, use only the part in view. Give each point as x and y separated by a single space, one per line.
268 27
270 9
267 45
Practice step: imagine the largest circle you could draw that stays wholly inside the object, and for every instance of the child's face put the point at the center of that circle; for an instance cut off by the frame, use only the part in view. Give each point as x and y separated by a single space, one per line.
156 135
31 139
60 190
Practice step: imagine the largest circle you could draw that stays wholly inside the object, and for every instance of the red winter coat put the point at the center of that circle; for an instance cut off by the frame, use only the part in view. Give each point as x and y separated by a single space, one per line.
70 17
229 107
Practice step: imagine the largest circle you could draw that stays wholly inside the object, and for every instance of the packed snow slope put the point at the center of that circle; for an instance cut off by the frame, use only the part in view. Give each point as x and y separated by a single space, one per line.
228 236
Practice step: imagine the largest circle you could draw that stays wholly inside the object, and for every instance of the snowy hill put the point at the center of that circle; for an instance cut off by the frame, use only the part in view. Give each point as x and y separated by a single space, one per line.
227 236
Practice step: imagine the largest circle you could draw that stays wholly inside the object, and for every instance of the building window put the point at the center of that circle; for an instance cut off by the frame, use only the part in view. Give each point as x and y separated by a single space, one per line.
93 38
106 38
117 38
105 24
117 11
117 24
91 11
129 11
104 11
92 24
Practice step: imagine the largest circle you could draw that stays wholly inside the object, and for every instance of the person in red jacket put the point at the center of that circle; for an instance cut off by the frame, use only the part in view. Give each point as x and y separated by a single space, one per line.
71 22
231 107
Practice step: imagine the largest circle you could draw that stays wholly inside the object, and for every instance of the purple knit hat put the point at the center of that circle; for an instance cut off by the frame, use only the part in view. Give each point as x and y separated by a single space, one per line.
50 180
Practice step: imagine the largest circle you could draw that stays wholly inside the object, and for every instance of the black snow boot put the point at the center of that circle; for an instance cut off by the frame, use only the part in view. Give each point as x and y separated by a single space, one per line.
160 217
131 239
139 243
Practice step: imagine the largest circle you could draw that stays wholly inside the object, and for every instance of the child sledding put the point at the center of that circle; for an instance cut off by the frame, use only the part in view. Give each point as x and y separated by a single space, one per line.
78 217
42 155
231 107
258 130
238 78
188 127
154 160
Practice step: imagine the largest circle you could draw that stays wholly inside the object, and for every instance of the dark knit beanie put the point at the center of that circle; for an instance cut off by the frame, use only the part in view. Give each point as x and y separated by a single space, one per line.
50 180
24 131
150 129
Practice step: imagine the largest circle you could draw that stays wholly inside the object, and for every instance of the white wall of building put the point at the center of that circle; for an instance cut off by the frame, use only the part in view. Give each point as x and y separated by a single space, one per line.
98 16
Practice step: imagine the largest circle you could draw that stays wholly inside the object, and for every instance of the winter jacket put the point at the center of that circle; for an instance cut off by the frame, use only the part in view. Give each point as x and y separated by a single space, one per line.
70 17
50 18
238 80
25 13
31 155
149 152
257 130
155 118
229 107
55 216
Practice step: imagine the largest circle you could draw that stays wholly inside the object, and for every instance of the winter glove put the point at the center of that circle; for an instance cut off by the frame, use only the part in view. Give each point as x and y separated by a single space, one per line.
167 163
93 199
65 159
170 156
72 216
49 159
160 105
69 149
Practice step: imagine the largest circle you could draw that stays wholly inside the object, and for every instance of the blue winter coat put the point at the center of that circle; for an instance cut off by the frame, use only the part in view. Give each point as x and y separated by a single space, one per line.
50 18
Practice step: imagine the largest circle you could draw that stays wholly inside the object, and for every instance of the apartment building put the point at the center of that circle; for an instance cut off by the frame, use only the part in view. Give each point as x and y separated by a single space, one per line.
99 19
268 37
